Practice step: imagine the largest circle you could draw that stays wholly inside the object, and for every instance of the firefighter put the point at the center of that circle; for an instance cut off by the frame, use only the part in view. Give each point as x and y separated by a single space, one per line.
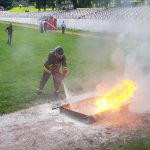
55 66
9 30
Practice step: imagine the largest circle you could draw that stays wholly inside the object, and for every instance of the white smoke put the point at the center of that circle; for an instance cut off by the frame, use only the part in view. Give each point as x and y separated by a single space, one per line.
136 65
128 50
21 53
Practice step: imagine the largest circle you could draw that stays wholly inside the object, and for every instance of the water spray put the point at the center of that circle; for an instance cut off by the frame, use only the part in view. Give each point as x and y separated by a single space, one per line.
67 97
66 92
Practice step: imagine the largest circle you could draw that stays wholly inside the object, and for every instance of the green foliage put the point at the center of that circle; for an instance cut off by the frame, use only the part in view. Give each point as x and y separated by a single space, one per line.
134 144
23 9
7 4
139 144
44 4
20 6
84 3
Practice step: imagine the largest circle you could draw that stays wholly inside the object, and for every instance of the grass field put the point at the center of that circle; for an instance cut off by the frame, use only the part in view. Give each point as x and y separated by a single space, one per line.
134 144
23 9
21 64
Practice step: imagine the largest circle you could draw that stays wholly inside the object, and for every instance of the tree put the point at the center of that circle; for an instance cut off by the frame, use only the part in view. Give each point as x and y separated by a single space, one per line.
6 4
44 4
106 3
31 2
84 3
39 4
118 2
74 2
88 3
51 3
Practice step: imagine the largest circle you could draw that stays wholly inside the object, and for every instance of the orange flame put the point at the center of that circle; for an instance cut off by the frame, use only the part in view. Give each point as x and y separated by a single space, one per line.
116 98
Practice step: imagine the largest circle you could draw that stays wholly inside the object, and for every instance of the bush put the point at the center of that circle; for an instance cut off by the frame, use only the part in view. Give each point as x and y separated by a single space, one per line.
1 8
20 6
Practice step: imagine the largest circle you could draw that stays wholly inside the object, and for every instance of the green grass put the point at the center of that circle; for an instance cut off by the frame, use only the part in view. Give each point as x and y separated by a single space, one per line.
138 144
22 9
141 143
22 63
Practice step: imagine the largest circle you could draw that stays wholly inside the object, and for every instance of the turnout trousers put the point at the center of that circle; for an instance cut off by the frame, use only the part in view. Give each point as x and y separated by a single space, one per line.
57 79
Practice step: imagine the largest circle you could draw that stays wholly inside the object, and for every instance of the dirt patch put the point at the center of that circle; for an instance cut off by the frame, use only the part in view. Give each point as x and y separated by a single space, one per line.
42 128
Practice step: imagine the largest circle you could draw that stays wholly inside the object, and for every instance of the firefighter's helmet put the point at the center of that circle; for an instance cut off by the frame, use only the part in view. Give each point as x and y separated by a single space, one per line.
59 50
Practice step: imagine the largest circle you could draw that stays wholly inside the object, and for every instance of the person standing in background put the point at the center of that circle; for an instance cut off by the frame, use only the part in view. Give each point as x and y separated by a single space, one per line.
63 27
41 27
45 26
9 30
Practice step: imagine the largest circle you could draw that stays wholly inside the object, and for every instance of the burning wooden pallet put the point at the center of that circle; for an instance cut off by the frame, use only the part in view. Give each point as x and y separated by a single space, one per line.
84 111
77 111
94 109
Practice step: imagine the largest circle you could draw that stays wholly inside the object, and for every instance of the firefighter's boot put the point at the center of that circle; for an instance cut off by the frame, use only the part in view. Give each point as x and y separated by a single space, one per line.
39 91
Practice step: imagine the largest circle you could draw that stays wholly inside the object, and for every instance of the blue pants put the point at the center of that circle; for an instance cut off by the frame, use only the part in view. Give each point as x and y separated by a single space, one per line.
9 39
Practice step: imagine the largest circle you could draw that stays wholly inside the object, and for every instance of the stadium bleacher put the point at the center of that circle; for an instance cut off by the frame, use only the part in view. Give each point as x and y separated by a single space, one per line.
124 13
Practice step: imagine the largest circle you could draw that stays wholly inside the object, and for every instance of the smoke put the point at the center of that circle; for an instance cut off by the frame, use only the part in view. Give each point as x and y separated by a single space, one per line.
21 53
123 52
136 64
137 68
